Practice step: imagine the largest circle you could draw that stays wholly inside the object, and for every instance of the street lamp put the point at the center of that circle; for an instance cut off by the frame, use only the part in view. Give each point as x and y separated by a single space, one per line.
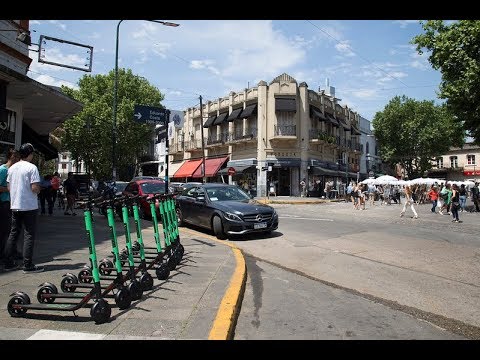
23 36
115 91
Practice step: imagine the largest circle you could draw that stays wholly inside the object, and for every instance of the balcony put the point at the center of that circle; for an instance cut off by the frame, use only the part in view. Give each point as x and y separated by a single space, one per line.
219 140
250 135
192 145
284 133
176 148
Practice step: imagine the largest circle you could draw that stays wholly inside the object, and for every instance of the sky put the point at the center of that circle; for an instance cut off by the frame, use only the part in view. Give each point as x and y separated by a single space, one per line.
367 61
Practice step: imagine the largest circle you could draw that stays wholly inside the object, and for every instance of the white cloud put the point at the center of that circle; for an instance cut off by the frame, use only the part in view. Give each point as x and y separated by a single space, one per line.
58 23
94 35
143 57
391 76
204 64
420 65
48 80
405 23
35 22
344 48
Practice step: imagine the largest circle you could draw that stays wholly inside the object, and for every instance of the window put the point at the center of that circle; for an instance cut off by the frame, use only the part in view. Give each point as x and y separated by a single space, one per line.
368 148
64 166
64 157
453 162
470 159
440 163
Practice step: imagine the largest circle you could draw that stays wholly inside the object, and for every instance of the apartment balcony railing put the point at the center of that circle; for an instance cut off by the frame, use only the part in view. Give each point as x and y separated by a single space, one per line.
177 148
285 130
219 139
194 144
250 135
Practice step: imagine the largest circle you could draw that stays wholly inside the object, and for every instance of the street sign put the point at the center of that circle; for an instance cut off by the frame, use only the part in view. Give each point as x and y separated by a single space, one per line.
150 115
231 171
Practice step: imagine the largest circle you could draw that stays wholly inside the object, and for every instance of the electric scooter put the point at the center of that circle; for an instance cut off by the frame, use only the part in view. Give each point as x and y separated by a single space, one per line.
48 292
100 312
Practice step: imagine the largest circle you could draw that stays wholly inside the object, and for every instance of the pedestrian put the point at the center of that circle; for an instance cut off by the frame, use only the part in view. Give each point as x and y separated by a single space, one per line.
463 197
475 196
408 201
23 182
5 212
46 194
433 195
303 184
71 190
455 203
55 183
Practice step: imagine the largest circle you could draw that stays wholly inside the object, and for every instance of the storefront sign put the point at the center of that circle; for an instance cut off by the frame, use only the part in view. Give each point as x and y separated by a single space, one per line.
471 172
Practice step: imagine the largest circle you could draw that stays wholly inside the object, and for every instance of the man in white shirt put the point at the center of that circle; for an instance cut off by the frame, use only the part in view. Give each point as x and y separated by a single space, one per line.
23 182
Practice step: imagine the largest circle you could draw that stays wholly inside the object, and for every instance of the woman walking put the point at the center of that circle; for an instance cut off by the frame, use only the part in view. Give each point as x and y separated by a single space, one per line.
463 197
408 201
455 204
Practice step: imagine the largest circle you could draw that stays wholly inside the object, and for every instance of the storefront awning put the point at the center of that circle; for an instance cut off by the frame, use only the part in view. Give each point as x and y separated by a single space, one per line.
248 111
172 168
332 120
235 114
286 104
187 169
40 142
220 119
318 170
238 169
44 107
211 167
210 121
345 126
314 111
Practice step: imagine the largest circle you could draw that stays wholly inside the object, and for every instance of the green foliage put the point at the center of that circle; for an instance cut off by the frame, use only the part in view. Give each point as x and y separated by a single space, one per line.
455 52
412 133
88 135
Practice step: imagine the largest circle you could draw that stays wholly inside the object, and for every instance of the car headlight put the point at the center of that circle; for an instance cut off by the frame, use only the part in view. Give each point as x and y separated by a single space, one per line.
232 217
274 214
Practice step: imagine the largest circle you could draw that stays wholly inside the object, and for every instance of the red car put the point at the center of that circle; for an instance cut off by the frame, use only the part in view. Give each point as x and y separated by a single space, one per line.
145 187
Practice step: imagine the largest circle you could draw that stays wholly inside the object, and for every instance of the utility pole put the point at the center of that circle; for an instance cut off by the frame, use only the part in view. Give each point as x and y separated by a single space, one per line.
203 142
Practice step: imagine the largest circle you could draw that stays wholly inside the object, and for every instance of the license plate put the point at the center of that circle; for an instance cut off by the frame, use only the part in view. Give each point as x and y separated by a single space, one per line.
260 225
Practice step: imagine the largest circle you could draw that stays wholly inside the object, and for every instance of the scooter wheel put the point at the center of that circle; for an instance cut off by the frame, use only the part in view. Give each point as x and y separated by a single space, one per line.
135 290
162 271
146 280
14 306
105 267
100 311
66 281
123 298
172 262
85 276
46 288
136 246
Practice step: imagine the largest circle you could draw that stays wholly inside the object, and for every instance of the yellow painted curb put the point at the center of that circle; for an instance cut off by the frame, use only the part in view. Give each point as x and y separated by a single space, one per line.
224 324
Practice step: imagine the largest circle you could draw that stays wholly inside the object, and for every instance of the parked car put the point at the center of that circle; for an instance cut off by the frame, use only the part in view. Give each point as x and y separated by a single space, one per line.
148 187
224 209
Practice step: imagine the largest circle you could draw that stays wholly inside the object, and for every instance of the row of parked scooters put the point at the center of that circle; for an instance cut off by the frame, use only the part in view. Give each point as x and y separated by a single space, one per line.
125 276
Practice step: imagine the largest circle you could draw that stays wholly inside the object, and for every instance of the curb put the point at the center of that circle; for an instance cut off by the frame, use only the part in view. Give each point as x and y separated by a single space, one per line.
223 327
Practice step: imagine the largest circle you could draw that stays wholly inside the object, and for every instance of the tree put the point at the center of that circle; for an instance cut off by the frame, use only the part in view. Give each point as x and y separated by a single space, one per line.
88 135
455 51
413 133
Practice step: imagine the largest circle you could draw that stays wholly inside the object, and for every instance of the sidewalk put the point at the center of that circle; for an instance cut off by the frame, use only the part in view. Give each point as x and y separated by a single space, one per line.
295 200
186 306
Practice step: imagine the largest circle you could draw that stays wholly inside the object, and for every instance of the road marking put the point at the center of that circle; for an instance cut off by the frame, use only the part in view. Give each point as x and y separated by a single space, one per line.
64 335
302 218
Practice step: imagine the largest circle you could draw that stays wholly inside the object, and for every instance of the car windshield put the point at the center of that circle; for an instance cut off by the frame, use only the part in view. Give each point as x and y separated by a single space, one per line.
226 193
120 186
153 188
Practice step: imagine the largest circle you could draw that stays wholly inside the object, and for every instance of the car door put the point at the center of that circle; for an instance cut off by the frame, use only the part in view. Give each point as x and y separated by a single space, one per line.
199 208
185 203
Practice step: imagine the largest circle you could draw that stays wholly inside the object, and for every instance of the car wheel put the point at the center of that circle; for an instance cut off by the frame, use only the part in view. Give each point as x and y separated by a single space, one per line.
218 228
179 217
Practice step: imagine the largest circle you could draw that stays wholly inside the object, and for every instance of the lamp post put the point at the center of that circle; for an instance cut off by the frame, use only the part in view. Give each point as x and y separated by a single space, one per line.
115 91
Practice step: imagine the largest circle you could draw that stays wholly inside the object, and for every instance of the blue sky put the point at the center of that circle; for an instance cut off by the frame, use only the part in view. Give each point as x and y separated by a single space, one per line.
367 61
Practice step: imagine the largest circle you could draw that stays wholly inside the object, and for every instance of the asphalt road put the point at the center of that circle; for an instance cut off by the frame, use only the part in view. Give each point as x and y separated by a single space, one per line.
280 304
386 276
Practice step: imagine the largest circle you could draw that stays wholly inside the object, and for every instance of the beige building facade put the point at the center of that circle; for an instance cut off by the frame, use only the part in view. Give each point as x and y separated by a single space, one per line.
272 136
459 164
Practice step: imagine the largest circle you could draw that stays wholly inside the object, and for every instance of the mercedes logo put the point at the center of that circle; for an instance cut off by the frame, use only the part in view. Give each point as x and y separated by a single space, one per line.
259 218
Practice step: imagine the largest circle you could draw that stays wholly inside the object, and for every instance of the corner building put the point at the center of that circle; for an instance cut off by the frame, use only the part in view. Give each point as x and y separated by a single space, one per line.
273 135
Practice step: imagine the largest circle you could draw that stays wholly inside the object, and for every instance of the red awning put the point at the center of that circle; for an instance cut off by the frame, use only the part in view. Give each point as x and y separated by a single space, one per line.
187 169
211 167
